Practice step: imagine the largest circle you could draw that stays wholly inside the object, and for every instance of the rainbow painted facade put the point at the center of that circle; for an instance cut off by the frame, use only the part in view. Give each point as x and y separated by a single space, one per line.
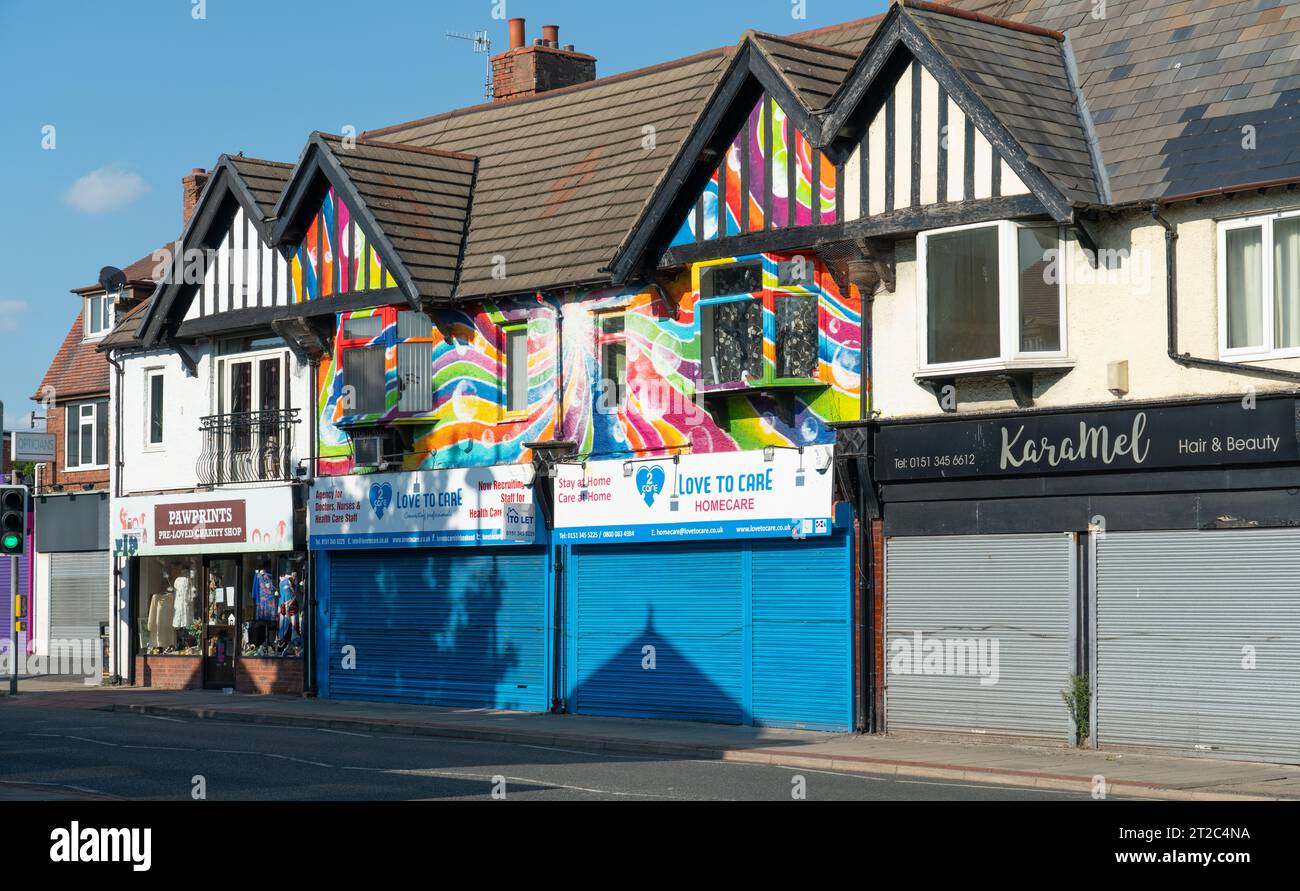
665 409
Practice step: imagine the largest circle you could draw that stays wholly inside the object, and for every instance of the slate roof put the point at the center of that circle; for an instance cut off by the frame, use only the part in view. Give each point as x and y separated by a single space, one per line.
125 332
265 179
420 199
563 175
1022 77
814 72
1171 83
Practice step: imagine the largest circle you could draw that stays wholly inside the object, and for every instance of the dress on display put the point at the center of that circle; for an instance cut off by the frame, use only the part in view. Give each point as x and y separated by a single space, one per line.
162 609
184 613
289 623
264 600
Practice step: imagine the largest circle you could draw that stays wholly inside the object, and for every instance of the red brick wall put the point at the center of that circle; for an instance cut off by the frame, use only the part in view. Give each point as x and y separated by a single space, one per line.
282 677
54 473
169 672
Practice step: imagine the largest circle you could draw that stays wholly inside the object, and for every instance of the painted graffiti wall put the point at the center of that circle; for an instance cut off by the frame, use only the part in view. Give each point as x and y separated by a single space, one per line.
648 337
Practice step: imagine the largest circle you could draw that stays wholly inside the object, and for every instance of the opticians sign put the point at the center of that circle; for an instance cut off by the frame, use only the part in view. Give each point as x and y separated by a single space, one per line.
463 506
211 523
783 494
1245 431
28 446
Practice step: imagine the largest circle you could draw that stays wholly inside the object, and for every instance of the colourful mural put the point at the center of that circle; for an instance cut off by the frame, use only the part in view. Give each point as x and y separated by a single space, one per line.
663 410
335 238
801 195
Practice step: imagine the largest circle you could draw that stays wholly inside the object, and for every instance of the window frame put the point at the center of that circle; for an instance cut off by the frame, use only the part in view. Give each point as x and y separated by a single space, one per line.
68 429
1010 356
387 316
104 313
150 375
509 329
606 340
1267 350
770 292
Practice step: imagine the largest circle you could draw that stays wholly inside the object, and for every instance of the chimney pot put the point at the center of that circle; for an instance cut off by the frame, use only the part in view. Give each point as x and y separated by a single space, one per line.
568 47
537 41
516 33
551 35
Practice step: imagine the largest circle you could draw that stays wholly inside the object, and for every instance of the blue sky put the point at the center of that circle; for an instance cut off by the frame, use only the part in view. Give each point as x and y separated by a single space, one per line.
139 92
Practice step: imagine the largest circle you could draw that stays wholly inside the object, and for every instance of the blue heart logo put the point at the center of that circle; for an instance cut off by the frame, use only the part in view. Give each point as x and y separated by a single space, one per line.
650 482
380 498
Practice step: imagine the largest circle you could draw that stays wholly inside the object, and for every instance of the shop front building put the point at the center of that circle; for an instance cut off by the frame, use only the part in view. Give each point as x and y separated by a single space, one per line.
217 588
1152 548
707 587
434 587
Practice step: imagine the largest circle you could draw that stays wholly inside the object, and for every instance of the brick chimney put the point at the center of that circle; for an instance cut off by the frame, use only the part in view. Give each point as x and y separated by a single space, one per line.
545 65
191 189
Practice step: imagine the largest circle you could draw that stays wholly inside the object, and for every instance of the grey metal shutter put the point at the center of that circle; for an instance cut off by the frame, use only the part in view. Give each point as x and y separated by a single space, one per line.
79 595
1015 590
1175 613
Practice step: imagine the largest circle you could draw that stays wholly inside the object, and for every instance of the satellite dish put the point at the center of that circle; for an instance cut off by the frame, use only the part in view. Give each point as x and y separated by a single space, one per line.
112 279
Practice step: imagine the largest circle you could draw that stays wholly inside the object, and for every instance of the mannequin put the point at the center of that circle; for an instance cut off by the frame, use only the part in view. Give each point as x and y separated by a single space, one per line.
289 622
161 616
264 594
184 612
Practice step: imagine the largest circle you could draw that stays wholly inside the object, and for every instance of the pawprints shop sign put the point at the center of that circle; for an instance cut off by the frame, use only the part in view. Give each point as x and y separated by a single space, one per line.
477 505
721 495
250 520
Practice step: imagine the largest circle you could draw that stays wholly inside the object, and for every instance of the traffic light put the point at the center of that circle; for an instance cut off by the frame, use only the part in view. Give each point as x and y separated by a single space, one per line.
13 520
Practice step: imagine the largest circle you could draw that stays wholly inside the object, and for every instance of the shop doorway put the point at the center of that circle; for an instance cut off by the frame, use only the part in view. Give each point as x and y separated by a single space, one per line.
220 605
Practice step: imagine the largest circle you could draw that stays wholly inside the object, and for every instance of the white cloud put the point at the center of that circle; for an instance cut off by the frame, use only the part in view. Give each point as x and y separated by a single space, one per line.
10 310
109 188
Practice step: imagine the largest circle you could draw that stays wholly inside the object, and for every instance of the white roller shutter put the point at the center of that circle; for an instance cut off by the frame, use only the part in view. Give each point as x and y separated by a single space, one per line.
1013 591
79 596
1198 641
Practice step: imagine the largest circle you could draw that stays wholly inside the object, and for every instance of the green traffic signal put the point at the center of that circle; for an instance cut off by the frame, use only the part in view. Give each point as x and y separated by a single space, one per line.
10 542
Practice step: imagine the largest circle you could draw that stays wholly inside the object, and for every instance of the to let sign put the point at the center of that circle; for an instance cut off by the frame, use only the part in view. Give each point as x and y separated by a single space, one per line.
1208 434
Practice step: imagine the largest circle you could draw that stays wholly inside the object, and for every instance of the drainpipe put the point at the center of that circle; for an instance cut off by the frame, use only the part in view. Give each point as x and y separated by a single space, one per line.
309 639
116 492
1171 299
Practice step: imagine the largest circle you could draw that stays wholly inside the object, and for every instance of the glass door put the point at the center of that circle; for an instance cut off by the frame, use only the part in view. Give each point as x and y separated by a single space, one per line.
220 617
253 393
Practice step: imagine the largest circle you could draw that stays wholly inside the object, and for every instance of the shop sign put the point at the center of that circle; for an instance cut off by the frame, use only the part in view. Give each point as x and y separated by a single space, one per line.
32 446
203 523
461 506
718 495
1248 431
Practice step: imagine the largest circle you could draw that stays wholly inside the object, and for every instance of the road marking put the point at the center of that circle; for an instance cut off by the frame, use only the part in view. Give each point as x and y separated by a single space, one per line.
458 775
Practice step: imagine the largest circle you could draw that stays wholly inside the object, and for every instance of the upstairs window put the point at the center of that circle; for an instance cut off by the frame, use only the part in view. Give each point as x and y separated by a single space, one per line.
515 372
99 315
155 408
1259 286
611 348
363 353
738 314
991 296
86 435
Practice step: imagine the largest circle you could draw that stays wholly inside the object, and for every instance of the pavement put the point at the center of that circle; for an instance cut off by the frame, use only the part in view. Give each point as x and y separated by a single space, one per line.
1123 774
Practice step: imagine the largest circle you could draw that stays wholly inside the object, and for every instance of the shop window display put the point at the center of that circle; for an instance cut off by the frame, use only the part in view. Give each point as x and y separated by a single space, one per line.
169 619
271 624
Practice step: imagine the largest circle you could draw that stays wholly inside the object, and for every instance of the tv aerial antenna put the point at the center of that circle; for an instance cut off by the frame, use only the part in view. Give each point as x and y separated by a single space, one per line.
481 43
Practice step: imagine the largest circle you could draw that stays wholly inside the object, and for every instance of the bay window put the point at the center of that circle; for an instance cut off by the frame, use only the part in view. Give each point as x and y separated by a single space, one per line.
1259 286
737 314
376 345
992 297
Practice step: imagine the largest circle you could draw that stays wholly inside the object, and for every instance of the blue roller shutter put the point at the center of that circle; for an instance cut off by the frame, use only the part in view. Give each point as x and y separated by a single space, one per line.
742 632
686 601
802 630
455 626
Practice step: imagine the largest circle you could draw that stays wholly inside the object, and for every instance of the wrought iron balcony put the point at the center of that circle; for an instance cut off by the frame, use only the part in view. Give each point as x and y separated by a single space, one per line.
247 447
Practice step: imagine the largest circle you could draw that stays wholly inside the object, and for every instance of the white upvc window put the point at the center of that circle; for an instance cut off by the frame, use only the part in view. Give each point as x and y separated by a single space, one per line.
86 435
154 408
99 315
991 296
1259 287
